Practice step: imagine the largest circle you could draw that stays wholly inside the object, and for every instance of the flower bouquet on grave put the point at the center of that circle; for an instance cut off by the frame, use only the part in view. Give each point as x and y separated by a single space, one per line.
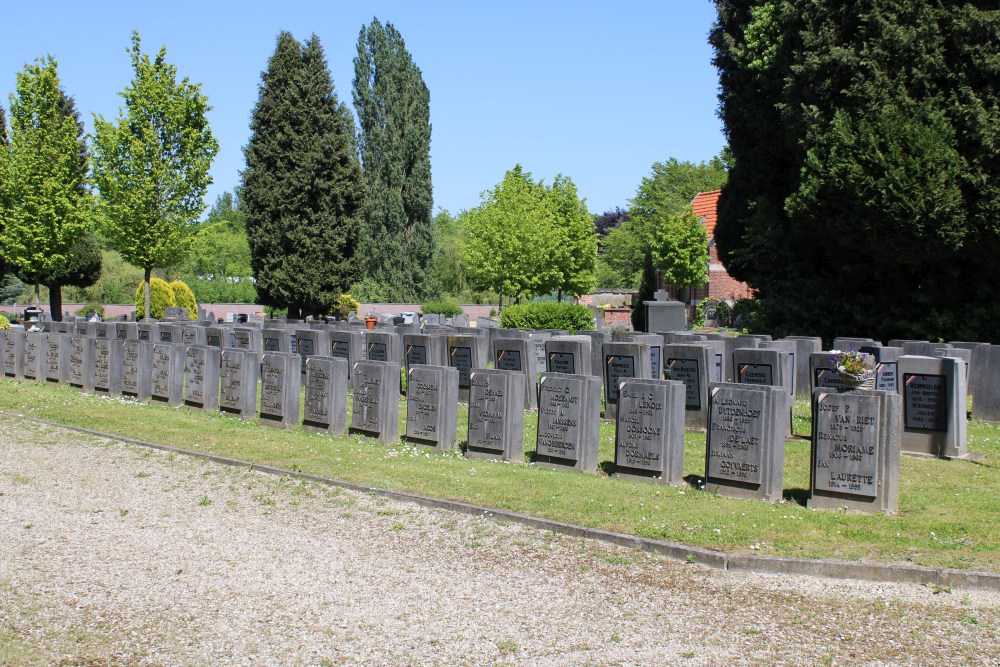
856 369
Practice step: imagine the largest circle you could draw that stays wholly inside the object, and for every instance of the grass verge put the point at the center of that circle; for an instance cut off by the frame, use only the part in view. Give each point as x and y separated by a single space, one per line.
947 515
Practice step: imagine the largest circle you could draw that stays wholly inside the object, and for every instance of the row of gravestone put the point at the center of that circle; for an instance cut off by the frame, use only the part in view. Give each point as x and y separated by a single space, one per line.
854 461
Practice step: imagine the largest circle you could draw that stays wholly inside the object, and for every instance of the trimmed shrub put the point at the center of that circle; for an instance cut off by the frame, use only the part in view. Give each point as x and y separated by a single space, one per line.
547 315
4 322
91 307
161 297
443 307
345 305
184 297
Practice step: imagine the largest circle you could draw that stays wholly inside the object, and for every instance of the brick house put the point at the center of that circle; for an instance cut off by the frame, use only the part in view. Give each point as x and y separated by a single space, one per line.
721 285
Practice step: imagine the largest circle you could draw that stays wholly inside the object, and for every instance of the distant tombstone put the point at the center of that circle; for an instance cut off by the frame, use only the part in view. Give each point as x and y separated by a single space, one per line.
383 346
731 343
276 340
280 383
248 338
106 370
148 332
238 380
487 323
176 313
35 344
679 338
920 348
169 333
934 406
538 340
716 359
622 361
855 451
691 365
310 343
80 359
569 409
461 320
496 416
201 377
900 342
425 350
597 341
845 343
85 328
655 343
959 353
13 353
482 338
745 447
464 355
104 329
823 373
136 369
886 361
518 355
219 337
649 432
56 358
194 334
569 354
375 404
791 361
168 374
765 367
326 395
347 345
432 406
126 330
985 404
979 364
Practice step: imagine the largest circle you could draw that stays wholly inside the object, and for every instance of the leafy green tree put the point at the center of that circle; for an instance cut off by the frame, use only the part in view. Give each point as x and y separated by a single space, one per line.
448 264
219 269
508 239
393 107
302 190
152 165
575 254
48 207
680 250
866 181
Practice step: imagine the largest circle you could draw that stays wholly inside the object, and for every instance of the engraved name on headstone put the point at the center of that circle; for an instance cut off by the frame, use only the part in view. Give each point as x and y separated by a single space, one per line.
107 366
34 345
136 369
496 416
280 383
569 409
649 432
326 395
375 404
239 377
13 352
432 406
167 374
201 377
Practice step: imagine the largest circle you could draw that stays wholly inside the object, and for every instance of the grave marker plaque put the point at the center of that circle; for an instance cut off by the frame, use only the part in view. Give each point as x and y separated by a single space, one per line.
518 355
238 382
691 364
13 352
56 365
622 361
347 345
569 354
496 416
126 330
569 408
168 374
311 343
137 366
148 331
375 406
107 367
81 360
464 356
326 395
201 377
280 382
855 451
649 431
194 335
766 367
431 406
34 345
745 447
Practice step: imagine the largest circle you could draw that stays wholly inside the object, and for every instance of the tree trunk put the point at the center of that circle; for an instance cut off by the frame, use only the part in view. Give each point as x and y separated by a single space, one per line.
560 296
500 300
148 275
55 302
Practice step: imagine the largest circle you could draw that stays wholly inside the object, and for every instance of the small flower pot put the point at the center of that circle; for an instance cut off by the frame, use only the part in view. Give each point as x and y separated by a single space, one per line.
370 322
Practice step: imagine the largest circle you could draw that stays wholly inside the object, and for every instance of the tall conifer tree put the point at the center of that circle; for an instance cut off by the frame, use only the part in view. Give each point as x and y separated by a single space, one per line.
393 107
302 189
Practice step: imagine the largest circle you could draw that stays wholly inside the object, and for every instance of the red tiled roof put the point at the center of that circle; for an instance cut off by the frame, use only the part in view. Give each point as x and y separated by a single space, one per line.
705 205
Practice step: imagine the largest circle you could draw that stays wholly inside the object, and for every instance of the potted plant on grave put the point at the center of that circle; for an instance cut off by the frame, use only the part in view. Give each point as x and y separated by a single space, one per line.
856 369
344 306
370 320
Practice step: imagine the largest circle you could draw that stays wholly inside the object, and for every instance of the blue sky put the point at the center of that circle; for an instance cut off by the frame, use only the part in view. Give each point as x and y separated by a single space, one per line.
597 91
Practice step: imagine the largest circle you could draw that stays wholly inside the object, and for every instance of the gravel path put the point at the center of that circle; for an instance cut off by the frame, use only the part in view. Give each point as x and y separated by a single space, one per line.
112 554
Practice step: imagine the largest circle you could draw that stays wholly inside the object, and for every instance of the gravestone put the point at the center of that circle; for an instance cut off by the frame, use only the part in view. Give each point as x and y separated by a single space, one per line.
432 406
238 380
745 447
464 355
691 365
273 339
326 395
845 343
425 350
176 313
762 366
169 333
126 330
569 354
375 406
886 361
220 337
791 362
56 364
383 346
823 373
716 359
347 345
482 339
805 346
649 432
106 371
104 330
33 364
12 341
201 377
920 348
979 365
597 341
655 342
569 421
537 340
732 343
622 361
496 416
137 369
148 332
855 451
248 338
80 359
900 342
280 382
194 334
167 374
934 406
518 355
313 342
84 328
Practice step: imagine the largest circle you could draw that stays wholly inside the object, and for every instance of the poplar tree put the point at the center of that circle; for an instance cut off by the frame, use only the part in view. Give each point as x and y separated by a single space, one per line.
48 208
302 189
152 165
393 108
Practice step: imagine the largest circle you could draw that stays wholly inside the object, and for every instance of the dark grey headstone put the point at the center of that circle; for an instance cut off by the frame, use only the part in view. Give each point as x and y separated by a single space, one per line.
56 360
622 361
569 409
465 355
375 404
248 338
148 332
845 343
169 333
81 361
597 341
137 369
518 355
886 358
765 367
695 366
168 374
822 371
347 345
126 330
238 380
106 370
201 377
12 342
326 395
432 406
649 431
569 354
280 382
979 365
194 334
934 406
655 342
33 365
312 343
496 416
273 339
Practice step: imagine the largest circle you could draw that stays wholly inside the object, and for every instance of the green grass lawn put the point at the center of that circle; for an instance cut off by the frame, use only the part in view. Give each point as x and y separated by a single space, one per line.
948 510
